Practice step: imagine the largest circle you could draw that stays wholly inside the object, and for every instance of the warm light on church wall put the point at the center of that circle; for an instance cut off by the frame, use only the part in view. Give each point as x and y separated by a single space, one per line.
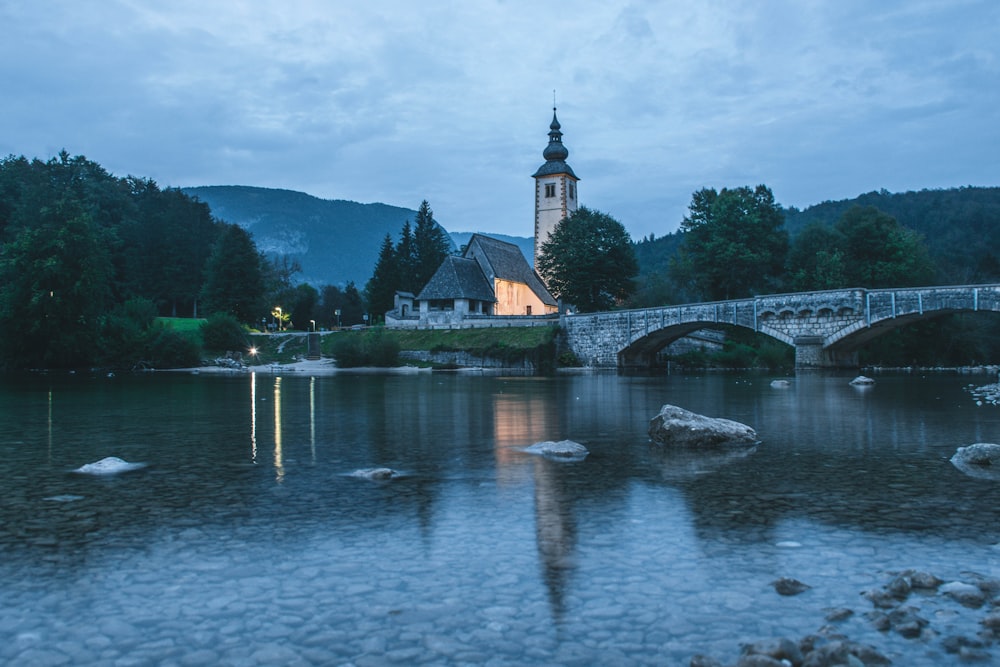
514 298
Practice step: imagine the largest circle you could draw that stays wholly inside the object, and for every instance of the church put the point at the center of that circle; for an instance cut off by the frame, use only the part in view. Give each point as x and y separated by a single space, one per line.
492 278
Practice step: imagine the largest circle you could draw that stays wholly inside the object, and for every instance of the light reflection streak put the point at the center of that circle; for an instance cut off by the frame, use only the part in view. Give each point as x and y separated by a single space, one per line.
279 465
253 418
312 417
50 425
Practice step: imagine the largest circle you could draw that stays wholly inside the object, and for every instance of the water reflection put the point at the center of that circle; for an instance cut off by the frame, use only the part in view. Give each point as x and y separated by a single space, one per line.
253 418
555 532
279 457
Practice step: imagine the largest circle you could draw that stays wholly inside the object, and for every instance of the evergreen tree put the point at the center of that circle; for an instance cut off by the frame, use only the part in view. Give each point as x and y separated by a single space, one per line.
432 246
406 259
588 261
380 290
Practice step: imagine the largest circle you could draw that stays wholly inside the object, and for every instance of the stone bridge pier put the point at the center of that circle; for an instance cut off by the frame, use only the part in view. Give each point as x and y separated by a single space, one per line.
826 328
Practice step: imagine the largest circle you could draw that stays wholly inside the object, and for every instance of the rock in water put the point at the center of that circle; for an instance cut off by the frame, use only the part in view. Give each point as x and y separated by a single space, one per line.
110 465
564 450
981 460
379 474
682 428
862 381
789 586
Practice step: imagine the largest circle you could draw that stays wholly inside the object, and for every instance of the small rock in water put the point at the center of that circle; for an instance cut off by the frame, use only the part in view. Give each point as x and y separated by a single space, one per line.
862 381
965 594
788 586
839 614
923 580
110 465
780 384
566 450
375 473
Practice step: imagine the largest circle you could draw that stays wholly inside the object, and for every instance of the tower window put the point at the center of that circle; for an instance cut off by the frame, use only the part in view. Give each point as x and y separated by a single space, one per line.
550 189
572 191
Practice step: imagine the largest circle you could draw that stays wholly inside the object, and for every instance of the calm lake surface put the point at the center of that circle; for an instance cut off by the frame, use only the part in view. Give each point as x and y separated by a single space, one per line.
247 541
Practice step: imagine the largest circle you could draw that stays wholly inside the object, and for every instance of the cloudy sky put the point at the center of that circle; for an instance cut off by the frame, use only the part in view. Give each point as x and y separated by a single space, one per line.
397 101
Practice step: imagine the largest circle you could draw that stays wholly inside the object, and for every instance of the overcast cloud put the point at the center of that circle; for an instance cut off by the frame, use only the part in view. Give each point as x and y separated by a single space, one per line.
397 101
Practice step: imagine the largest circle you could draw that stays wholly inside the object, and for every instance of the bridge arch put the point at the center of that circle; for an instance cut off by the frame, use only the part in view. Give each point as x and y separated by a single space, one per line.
826 328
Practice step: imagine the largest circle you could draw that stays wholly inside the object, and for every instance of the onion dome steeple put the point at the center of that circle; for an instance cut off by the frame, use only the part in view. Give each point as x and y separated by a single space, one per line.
555 153
555 150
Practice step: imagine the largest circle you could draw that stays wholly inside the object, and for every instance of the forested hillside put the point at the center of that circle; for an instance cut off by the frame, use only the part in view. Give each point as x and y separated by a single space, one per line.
334 241
961 226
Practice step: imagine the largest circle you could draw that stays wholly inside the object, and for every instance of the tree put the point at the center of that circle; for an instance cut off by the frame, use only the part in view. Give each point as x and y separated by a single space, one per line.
406 261
588 261
734 243
303 306
816 260
431 245
166 248
234 277
380 290
55 287
881 253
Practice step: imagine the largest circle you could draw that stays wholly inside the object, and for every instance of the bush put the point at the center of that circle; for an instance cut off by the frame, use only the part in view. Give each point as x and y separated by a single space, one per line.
169 349
374 348
223 332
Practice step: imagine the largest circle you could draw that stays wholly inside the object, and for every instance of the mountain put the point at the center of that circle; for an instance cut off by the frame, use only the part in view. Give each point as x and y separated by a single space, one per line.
335 241
525 243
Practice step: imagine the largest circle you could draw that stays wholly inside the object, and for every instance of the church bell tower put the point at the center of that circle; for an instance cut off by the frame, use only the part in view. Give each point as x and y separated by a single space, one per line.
555 187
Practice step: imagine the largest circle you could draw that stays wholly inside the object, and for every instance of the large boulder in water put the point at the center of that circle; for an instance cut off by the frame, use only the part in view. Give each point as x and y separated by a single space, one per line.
981 459
678 427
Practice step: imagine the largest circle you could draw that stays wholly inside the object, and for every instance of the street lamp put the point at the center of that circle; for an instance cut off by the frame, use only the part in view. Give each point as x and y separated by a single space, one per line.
337 313
281 322
313 322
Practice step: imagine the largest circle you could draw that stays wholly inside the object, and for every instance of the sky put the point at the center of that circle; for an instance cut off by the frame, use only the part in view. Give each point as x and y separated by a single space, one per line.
397 101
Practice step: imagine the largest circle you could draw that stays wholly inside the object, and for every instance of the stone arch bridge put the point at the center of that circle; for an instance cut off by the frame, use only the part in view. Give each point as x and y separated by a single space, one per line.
826 328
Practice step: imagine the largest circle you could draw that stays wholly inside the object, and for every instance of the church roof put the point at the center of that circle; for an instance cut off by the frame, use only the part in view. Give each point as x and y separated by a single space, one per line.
505 261
555 153
458 278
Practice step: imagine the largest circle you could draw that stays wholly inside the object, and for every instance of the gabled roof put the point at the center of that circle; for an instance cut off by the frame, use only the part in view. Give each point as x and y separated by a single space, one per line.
458 278
505 261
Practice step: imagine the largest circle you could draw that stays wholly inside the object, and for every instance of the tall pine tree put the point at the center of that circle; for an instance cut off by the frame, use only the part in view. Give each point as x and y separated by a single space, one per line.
380 289
432 246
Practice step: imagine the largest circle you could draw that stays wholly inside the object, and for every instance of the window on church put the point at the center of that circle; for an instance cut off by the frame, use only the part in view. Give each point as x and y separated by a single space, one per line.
572 191
550 189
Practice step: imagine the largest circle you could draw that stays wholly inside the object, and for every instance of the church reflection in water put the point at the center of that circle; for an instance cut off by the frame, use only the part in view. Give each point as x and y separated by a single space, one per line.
519 423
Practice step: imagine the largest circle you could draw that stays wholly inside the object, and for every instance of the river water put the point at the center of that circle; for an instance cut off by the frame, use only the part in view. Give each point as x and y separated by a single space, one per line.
246 540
